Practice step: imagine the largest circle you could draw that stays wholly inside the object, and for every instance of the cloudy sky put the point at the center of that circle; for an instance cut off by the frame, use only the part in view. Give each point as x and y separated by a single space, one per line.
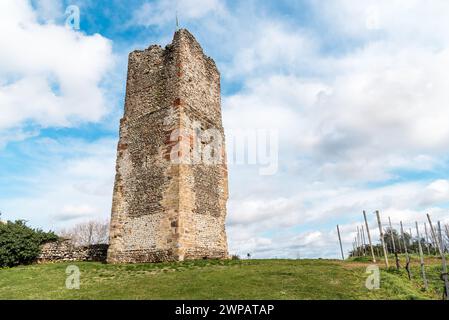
358 92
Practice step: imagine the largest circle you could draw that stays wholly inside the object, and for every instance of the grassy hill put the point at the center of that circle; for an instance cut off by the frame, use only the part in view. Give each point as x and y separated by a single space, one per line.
234 279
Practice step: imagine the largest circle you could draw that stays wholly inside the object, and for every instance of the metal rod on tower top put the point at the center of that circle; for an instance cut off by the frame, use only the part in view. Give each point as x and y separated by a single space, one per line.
175 5
382 239
369 237
341 246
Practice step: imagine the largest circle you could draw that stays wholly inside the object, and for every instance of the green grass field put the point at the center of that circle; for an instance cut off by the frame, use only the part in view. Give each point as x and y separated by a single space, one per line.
233 279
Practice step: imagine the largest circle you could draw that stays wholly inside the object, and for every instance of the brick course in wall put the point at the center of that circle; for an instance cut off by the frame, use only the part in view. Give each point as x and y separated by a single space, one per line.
163 211
65 251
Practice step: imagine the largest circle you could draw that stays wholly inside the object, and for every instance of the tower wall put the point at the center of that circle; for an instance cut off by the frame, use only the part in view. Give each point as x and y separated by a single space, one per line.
165 210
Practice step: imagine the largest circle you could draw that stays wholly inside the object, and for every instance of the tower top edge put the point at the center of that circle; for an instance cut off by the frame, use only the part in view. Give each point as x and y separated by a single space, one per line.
181 37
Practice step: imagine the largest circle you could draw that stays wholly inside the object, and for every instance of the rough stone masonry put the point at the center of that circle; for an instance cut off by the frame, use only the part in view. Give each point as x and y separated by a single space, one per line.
167 207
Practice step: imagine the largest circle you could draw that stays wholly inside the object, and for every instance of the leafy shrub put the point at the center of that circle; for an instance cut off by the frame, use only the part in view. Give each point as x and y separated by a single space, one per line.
20 244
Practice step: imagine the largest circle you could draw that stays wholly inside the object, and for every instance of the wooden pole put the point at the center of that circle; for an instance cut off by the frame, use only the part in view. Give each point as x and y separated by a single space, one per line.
392 235
379 254
434 234
423 268
436 243
394 245
427 239
362 240
369 237
362 229
433 242
341 246
354 251
359 240
400 244
447 232
411 239
440 236
447 236
443 261
386 245
407 265
382 239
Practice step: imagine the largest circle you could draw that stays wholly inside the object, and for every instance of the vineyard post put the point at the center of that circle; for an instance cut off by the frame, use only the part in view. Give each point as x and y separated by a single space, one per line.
363 240
434 234
392 235
441 237
341 246
407 257
369 237
427 239
382 239
444 274
354 251
411 238
423 268
394 244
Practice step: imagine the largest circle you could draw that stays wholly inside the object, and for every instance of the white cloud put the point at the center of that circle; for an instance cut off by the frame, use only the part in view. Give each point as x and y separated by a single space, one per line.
71 181
49 10
72 212
372 111
164 11
392 96
268 46
74 209
50 75
402 21
316 204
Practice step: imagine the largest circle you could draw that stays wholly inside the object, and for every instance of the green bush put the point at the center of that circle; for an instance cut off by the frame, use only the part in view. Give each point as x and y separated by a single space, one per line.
20 244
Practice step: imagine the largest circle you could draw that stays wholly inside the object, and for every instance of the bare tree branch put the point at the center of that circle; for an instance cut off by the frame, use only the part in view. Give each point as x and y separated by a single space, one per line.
87 233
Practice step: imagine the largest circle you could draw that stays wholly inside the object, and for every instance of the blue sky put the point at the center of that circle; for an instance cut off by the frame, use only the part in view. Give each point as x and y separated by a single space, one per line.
357 91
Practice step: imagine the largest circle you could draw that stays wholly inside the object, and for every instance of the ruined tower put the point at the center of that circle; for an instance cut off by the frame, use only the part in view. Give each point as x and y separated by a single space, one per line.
170 192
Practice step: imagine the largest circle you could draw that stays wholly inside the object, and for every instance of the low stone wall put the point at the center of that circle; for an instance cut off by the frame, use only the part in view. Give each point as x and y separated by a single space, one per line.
66 251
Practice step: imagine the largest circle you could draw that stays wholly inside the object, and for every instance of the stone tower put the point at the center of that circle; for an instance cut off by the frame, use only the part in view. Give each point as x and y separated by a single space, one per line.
169 201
